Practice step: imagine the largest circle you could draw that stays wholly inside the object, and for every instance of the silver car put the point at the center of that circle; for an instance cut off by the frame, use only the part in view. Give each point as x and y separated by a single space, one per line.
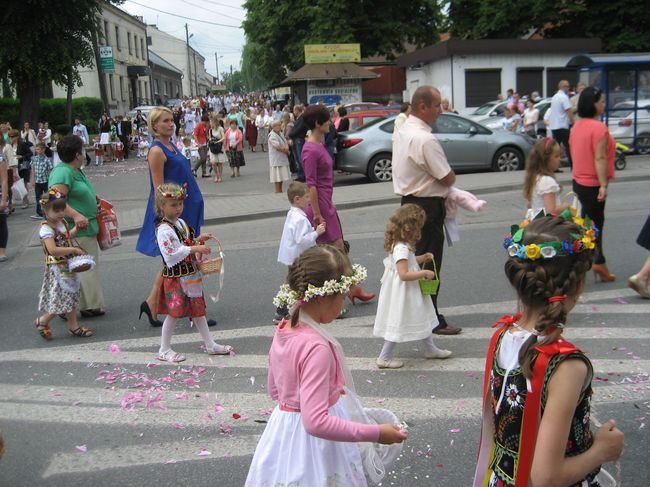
468 145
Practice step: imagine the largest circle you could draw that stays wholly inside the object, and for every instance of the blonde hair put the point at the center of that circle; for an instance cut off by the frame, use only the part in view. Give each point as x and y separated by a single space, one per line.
296 188
159 198
154 117
404 225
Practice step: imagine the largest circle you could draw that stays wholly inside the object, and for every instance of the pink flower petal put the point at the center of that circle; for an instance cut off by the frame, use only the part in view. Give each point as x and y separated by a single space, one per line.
252 379
81 448
178 426
170 461
454 430
218 408
114 348
76 403
204 453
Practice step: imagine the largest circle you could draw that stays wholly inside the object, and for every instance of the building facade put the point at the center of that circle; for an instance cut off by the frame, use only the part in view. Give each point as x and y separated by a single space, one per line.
129 84
472 72
167 80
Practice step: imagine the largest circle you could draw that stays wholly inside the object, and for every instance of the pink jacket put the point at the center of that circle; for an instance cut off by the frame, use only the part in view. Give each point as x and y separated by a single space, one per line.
238 137
305 376
464 199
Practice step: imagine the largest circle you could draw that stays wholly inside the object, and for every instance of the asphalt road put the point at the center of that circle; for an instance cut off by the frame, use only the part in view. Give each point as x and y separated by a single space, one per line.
75 414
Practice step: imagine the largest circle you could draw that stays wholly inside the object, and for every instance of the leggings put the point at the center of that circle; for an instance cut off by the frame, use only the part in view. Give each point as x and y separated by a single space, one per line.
4 231
387 350
594 209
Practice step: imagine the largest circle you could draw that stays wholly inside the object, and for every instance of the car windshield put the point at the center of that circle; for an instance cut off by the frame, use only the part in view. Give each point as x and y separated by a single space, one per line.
485 109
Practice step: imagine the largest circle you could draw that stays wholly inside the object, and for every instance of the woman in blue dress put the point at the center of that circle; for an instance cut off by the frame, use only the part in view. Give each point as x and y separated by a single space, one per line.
166 165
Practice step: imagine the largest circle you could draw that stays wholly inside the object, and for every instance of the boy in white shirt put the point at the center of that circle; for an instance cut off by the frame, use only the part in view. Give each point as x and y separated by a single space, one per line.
298 234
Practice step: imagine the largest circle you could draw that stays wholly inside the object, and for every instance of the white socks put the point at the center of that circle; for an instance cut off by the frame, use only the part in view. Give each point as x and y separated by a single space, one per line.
387 350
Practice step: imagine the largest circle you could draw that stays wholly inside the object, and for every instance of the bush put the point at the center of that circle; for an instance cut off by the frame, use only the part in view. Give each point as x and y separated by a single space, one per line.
53 111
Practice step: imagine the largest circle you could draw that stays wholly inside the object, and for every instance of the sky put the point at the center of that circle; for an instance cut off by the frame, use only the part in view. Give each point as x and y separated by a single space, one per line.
201 15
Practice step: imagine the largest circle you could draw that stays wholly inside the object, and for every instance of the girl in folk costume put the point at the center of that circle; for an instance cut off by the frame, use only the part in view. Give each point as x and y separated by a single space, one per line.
182 290
404 314
311 434
60 291
537 389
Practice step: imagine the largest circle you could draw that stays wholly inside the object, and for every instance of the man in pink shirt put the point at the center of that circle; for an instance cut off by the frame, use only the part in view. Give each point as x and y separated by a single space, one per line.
422 176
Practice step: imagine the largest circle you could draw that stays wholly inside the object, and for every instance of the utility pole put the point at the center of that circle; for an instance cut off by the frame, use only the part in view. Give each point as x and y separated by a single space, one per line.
196 76
216 59
189 66
231 83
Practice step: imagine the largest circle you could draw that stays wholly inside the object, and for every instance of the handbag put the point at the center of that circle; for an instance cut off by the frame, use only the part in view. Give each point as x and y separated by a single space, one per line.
430 286
215 146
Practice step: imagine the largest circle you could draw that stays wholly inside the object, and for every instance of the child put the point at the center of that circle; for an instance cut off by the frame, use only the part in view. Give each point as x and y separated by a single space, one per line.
41 167
404 314
55 153
119 151
143 147
541 189
537 387
60 291
298 234
182 291
309 439
179 139
187 149
99 152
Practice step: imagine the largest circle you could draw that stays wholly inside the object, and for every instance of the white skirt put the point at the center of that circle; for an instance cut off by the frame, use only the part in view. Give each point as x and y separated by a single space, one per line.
278 174
288 455
105 138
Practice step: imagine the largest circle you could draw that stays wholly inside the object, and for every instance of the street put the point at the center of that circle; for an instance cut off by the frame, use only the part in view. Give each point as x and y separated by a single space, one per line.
103 412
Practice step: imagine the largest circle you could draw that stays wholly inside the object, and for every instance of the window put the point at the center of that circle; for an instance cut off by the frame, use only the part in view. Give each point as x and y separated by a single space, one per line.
106 43
110 84
156 87
529 80
135 41
481 86
117 38
555 75
142 48
146 90
388 127
122 88
128 40
447 124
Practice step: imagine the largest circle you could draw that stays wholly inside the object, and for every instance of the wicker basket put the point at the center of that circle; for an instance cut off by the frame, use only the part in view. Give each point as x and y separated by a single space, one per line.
212 265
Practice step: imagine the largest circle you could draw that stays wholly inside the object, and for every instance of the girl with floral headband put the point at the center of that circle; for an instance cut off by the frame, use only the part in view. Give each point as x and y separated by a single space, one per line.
181 294
61 288
311 434
537 387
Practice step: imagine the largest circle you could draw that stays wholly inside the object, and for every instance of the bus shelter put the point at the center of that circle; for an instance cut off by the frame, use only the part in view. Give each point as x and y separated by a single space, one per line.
625 80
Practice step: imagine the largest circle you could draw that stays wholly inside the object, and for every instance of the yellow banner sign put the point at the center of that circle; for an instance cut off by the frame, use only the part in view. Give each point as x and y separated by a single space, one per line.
332 53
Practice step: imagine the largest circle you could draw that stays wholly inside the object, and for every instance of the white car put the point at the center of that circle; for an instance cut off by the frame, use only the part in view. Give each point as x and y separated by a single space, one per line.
488 110
145 109
621 124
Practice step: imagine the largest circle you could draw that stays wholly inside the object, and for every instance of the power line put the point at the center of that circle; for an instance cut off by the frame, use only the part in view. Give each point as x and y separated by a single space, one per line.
223 5
213 11
186 18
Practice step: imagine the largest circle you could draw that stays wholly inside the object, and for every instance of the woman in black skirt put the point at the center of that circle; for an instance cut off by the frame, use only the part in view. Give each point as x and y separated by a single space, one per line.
639 281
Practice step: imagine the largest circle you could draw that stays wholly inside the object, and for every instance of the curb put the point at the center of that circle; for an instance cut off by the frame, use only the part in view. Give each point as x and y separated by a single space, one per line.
358 204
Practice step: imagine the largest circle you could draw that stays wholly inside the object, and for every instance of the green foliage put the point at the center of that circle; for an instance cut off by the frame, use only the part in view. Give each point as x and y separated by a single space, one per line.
234 82
53 111
253 80
283 27
621 25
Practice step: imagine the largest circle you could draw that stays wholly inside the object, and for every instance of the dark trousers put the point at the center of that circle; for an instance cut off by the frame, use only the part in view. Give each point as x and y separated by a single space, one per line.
433 234
594 209
562 137
297 154
203 154
4 231
39 189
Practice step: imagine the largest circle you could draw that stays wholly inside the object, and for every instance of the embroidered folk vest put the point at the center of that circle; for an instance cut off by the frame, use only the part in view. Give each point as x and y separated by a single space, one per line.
187 266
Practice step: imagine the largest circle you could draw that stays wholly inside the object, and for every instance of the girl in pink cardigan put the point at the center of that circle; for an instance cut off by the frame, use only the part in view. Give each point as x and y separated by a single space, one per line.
234 147
313 435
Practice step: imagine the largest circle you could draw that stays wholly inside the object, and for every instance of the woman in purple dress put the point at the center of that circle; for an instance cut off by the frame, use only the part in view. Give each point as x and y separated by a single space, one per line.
319 175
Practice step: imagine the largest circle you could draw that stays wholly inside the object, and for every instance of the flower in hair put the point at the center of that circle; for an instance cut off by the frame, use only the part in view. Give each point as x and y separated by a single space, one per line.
178 194
51 195
532 251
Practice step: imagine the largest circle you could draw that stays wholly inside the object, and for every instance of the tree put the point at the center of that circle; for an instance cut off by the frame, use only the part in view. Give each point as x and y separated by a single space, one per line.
44 41
253 80
621 25
382 27
234 82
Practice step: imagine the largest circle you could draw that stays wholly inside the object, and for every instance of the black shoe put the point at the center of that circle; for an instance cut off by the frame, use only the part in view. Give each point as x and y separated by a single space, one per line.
144 308
212 322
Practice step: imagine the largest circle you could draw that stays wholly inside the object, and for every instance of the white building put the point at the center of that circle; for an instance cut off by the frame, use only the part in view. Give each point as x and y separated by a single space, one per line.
472 72
184 57
129 85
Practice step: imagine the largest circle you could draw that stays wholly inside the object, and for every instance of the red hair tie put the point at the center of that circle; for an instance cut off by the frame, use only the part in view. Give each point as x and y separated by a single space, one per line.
554 299
546 144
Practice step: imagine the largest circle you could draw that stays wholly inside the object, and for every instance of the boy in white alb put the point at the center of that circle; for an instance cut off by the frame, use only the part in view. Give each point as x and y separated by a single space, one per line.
298 234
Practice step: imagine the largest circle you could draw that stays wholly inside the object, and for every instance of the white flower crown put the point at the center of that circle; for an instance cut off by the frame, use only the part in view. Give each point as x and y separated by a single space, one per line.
288 297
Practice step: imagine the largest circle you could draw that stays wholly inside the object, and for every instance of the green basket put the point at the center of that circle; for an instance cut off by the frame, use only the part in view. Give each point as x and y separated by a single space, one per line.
430 286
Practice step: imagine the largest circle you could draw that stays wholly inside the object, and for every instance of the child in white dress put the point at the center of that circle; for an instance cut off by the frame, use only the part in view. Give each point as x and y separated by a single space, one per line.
541 189
313 437
404 314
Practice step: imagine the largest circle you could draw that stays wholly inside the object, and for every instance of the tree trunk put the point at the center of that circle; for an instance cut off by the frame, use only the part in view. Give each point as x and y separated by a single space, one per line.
28 92
68 103
100 74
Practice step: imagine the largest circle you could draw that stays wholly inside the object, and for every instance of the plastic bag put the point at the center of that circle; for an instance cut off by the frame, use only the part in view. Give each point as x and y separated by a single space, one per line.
109 230
19 190
192 285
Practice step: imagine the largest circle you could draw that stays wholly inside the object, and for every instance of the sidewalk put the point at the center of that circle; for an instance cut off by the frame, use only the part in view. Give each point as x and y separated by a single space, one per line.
229 208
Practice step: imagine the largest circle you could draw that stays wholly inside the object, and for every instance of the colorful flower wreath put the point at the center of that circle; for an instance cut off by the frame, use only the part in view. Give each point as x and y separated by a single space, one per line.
179 194
548 250
288 297
51 195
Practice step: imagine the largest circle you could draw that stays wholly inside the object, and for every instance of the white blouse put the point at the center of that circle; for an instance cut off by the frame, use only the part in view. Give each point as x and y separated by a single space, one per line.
171 248
544 185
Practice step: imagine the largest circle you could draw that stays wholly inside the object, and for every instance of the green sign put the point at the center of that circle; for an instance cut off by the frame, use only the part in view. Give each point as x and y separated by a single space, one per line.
106 59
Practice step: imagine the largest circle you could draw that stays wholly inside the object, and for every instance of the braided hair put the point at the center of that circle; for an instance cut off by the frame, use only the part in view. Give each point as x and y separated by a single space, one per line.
315 266
538 280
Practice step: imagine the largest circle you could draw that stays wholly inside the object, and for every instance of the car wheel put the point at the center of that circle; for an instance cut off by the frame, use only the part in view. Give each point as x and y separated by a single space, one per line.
643 140
380 168
507 159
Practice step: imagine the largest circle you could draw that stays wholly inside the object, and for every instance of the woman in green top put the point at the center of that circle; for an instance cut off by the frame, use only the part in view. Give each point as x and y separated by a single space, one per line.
81 212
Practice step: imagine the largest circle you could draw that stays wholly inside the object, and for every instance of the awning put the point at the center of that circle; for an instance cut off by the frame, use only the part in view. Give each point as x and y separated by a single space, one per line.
312 72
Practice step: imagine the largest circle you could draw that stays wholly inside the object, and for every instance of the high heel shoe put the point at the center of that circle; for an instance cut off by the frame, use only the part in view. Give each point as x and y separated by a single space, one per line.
357 293
144 308
601 271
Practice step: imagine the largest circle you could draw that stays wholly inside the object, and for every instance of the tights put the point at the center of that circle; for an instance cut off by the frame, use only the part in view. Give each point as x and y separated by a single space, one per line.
168 330
387 350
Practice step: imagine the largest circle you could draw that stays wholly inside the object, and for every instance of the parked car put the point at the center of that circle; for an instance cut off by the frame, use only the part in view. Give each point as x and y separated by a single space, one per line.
486 111
467 144
173 103
362 117
364 105
145 109
621 124
494 121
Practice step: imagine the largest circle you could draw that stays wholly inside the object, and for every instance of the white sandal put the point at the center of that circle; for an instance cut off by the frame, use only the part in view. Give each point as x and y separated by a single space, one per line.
170 356
219 349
